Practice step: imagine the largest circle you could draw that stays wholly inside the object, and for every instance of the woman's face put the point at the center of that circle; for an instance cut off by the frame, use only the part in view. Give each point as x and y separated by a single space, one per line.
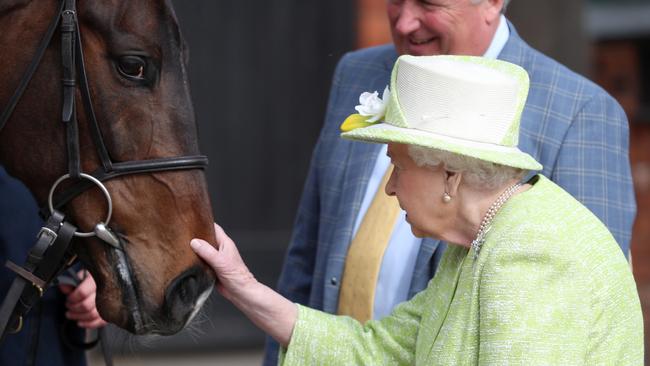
419 191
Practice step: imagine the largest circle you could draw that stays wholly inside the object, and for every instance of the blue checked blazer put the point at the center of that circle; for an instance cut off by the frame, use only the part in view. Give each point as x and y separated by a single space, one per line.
570 125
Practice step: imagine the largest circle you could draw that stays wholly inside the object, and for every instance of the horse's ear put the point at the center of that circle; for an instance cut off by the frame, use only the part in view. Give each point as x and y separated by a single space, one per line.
8 5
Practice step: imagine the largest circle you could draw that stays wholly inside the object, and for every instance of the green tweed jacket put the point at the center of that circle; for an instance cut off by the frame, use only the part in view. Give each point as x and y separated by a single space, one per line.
550 287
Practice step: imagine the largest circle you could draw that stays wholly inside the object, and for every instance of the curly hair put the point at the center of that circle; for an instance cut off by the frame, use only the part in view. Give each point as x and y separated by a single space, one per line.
479 174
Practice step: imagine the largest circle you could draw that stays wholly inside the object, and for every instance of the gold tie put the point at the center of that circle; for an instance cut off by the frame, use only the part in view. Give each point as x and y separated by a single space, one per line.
365 254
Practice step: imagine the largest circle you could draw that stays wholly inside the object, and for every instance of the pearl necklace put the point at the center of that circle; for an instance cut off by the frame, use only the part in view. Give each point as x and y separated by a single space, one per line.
486 224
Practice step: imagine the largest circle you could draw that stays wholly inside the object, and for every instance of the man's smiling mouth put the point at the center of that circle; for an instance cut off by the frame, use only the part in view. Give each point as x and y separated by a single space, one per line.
417 41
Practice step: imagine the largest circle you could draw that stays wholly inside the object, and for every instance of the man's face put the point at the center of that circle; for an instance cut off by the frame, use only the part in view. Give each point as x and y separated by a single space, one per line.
435 27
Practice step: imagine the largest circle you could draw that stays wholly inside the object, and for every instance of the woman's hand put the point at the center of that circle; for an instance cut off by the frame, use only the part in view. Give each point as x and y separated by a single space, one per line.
234 277
266 308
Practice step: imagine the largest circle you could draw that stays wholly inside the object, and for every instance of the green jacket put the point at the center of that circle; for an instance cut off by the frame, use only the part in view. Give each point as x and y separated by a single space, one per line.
550 287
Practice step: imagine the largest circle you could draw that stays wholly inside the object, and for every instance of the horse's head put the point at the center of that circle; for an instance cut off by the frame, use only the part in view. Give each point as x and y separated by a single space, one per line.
135 60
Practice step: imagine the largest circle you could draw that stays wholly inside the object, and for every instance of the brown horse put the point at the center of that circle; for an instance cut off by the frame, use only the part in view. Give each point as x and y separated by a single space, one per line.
135 61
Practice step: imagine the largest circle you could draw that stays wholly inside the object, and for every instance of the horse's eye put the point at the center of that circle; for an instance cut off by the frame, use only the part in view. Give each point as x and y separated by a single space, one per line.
132 67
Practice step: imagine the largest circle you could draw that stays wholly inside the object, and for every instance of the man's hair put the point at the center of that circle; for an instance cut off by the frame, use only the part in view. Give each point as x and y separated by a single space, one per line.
505 5
503 9
478 174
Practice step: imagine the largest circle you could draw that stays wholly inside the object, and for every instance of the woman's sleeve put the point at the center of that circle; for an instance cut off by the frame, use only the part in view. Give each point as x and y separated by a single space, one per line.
324 339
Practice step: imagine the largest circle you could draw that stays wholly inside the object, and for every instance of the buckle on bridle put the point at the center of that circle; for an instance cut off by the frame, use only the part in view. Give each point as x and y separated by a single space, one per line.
45 231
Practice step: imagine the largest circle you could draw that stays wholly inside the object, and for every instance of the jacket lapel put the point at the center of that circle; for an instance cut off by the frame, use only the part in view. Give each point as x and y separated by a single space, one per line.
357 168
425 265
360 162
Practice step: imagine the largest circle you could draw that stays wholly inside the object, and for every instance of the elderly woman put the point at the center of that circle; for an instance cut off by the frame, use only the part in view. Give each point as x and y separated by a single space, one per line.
531 276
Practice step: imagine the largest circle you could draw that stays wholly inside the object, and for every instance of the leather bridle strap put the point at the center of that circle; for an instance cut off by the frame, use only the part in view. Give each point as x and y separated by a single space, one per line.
69 113
108 169
70 35
95 132
45 261
127 168
31 69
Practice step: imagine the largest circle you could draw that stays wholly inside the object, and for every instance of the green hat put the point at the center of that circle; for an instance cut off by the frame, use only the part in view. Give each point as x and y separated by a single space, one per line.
462 104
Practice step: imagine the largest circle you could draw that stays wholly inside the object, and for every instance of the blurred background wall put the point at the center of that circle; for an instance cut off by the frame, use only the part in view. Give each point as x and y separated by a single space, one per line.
260 73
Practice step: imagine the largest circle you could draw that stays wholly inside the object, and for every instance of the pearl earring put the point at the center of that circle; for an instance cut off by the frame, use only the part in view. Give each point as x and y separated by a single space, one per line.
446 198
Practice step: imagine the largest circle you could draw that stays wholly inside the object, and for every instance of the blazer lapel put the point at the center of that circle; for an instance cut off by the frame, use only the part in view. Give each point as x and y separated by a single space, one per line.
425 265
360 162
358 168
357 165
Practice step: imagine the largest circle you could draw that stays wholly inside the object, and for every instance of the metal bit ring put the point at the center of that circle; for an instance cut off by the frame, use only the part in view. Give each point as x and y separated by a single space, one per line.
99 184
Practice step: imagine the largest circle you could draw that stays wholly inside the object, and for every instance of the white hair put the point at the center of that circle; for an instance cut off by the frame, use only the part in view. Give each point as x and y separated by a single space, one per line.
505 5
503 9
478 174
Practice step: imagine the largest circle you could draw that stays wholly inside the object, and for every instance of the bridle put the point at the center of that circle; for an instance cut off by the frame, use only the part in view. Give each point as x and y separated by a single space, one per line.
50 255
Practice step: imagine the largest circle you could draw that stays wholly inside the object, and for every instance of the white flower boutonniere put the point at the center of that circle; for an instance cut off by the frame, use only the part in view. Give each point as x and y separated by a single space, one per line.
372 106
371 110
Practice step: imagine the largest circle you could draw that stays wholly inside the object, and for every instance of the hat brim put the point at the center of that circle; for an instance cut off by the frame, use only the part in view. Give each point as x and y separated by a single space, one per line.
385 133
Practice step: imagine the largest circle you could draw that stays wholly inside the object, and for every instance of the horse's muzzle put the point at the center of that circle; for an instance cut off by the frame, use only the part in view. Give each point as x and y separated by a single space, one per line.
184 298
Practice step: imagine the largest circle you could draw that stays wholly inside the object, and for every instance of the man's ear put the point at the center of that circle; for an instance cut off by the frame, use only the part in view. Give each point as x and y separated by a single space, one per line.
491 10
452 182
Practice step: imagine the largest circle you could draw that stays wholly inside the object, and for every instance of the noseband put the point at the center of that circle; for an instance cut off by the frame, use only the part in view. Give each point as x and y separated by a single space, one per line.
50 255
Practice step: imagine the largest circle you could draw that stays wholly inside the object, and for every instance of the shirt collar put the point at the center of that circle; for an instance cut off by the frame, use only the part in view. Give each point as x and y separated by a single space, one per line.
499 40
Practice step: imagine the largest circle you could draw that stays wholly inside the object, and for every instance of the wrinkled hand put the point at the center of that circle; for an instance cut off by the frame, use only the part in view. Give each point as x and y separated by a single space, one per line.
80 302
266 308
233 275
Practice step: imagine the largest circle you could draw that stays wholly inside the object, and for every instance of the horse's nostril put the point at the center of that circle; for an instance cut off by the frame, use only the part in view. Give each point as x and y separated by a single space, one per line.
188 289
182 293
